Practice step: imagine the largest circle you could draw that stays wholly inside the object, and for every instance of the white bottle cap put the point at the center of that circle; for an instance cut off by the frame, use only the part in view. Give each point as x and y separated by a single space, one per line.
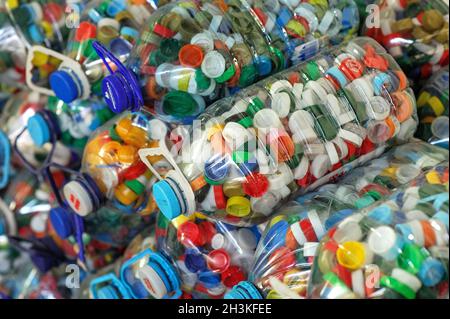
382 241
301 170
204 40
280 85
246 239
407 278
310 249
358 285
152 281
213 65
78 198
281 103
320 165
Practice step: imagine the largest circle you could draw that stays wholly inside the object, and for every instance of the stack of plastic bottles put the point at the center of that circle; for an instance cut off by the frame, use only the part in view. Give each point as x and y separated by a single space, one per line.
224 149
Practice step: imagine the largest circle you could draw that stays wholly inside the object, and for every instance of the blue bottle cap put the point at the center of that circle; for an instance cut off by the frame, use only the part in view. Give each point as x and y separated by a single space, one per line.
36 34
217 167
209 279
243 290
442 217
107 292
431 272
264 65
337 217
195 262
61 222
5 157
405 230
115 93
38 129
64 86
276 235
382 214
166 199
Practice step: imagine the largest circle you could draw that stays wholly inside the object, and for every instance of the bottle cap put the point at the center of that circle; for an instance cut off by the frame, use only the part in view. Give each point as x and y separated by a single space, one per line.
191 55
213 65
64 86
61 222
238 206
255 185
218 260
431 272
78 198
384 242
351 255
166 199
152 281
39 130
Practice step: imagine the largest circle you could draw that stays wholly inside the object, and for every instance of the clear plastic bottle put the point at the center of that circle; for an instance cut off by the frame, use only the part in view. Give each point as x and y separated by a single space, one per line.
14 114
195 256
12 54
282 263
395 250
79 70
415 33
287 135
432 109
191 53
121 282
110 196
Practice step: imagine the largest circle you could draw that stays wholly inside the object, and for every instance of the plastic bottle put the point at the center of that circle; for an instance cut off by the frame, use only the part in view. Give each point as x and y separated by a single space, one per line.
282 263
415 33
286 135
110 196
432 109
12 54
14 114
120 282
191 53
195 256
396 250
79 70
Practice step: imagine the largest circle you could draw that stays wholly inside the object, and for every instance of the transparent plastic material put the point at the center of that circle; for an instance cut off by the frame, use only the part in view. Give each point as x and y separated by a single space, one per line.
121 281
396 250
110 195
191 53
26 282
12 53
415 33
282 262
20 201
287 135
14 116
432 109
195 257
79 71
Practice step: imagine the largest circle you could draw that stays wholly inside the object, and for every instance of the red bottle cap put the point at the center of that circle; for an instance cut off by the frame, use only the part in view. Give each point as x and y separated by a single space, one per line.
208 230
219 197
367 146
232 276
255 185
351 68
134 171
444 58
85 31
308 230
188 234
163 31
218 260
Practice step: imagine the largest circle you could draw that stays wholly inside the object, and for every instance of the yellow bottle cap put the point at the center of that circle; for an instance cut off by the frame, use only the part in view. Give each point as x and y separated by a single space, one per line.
127 154
436 105
109 152
125 195
351 255
39 59
433 177
238 206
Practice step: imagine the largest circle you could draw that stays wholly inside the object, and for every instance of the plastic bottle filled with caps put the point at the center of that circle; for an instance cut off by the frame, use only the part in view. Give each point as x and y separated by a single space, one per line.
14 115
61 131
12 53
196 257
394 250
45 24
287 134
282 263
415 33
190 54
432 109
79 71
110 197
27 282
121 282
